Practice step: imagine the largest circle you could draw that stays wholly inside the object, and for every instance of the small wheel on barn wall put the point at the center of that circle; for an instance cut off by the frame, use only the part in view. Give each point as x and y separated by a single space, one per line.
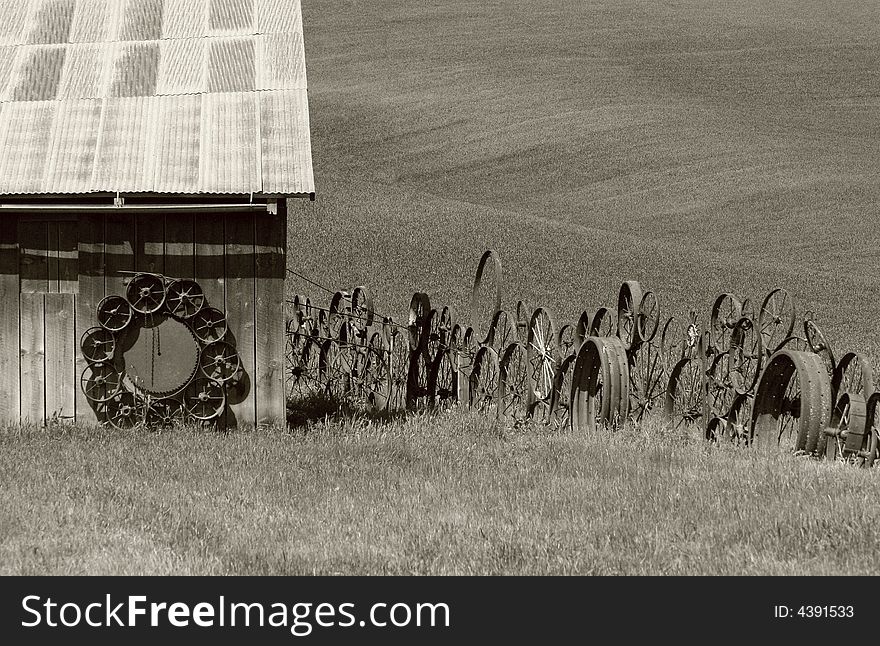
100 382
209 325
204 399
126 411
114 313
165 413
184 298
146 293
98 345
219 361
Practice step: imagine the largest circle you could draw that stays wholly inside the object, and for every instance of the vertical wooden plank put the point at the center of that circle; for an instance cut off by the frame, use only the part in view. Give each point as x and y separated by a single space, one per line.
91 291
52 256
270 239
61 382
119 245
240 267
33 237
209 260
150 238
68 256
10 385
33 358
180 245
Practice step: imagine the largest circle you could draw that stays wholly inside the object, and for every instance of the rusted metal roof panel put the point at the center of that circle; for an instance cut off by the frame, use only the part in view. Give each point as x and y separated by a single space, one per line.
160 96
70 158
231 17
182 66
25 128
229 160
286 144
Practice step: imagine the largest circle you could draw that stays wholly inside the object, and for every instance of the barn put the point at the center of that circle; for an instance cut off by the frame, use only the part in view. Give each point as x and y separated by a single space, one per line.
147 152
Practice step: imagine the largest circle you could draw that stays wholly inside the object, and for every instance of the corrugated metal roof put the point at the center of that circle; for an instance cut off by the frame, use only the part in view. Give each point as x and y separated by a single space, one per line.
158 96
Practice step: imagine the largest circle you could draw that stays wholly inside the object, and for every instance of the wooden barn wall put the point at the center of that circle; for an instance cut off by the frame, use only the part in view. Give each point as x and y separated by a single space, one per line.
53 276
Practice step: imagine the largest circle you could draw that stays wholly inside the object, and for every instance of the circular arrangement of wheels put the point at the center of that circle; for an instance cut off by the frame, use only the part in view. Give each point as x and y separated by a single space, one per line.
119 396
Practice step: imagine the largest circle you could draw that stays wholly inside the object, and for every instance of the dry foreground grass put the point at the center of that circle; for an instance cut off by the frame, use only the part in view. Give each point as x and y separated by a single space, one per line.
424 495
697 146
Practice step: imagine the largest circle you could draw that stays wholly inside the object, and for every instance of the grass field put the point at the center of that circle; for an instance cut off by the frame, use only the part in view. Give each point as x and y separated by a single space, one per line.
697 146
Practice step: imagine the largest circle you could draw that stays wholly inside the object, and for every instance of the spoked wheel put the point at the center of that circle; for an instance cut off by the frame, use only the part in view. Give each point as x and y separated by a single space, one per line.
417 393
513 398
871 444
486 294
399 355
582 329
629 300
418 324
164 414
502 332
126 411
378 379
523 316
184 298
362 313
219 361
746 356
739 419
566 344
560 407
648 318
720 390
443 382
209 325
648 379
685 395
98 345
100 382
852 375
541 352
146 293
844 438
114 313
672 344
792 403
602 323
484 380
445 327
463 350
726 312
776 319
434 342
304 376
204 399
600 385
339 312
818 344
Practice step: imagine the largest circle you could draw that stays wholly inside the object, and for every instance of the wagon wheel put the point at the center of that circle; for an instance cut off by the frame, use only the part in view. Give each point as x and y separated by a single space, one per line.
445 328
304 370
648 317
338 312
443 381
523 315
484 380
219 361
629 300
146 293
513 393
126 411
776 319
322 325
377 378
671 344
463 351
648 379
204 399
114 313
418 375
100 382
726 312
748 309
98 345
336 367
600 384
184 298
739 419
399 367
560 405
818 344
746 356
602 323
502 332
209 325
721 384
164 413
565 342
362 308
845 436
685 405
792 403
582 329
434 341
868 454
541 352
419 311
853 374
484 300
